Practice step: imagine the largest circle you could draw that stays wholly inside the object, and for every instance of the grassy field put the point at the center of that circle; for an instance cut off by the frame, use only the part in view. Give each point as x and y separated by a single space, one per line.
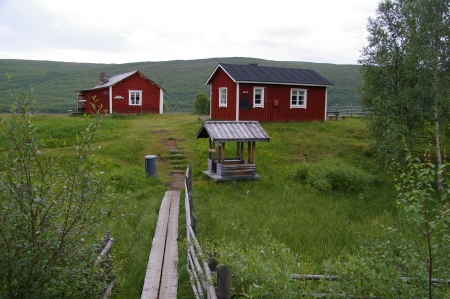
317 225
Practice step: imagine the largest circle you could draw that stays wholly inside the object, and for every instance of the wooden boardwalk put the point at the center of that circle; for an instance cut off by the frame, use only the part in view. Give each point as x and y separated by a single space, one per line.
161 278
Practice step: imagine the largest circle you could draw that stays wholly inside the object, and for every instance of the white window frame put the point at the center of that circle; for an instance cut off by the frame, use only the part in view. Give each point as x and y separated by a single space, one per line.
223 101
131 96
296 104
261 104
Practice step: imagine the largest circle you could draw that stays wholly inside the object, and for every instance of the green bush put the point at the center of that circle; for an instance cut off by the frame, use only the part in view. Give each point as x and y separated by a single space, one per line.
51 210
261 267
404 263
201 104
334 174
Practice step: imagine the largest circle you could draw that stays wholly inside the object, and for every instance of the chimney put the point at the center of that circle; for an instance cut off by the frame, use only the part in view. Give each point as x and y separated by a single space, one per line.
103 78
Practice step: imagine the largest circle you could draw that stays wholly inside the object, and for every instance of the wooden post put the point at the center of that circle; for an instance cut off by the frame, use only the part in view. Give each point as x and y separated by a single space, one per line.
253 152
223 153
210 153
249 150
242 152
238 150
223 283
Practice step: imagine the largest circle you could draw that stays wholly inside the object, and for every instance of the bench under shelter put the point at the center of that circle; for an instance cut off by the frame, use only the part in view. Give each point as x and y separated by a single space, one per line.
238 164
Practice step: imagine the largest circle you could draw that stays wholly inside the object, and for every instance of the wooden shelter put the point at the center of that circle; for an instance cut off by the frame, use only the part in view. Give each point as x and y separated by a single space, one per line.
235 164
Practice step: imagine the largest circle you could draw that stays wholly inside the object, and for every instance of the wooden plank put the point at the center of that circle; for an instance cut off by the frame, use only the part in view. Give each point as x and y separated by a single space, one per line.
155 262
169 278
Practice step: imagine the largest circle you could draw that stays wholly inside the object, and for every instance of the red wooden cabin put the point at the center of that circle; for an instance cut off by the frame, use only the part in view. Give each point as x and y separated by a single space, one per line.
267 94
130 92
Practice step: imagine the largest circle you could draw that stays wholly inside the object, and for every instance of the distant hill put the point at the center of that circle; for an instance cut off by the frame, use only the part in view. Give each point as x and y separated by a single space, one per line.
55 83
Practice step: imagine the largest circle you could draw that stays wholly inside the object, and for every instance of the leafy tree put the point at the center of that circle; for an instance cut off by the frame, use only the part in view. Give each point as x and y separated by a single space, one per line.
201 104
406 75
407 262
50 210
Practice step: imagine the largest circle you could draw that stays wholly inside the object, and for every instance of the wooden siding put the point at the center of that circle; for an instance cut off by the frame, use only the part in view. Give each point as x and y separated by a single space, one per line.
150 95
277 99
277 106
101 100
221 79
120 96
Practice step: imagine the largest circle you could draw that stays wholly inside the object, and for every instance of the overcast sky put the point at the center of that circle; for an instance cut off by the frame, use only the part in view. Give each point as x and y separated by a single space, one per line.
113 31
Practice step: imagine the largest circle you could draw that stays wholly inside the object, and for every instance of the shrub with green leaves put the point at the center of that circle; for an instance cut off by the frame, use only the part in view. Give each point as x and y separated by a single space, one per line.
261 266
50 211
406 262
334 174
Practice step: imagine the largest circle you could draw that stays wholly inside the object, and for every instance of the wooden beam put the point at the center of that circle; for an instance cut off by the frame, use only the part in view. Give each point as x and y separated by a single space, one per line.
223 152
253 152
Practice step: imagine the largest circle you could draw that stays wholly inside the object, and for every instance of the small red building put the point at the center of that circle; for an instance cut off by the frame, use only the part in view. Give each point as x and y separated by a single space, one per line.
130 92
267 94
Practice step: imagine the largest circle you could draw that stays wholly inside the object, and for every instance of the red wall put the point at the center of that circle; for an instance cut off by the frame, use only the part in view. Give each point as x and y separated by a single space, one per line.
315 104
101 100
150 96
221 79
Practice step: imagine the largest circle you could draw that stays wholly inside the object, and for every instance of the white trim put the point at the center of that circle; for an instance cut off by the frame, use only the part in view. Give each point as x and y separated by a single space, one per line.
129 97
261 105
237 101
110 100
161 101
220 97
305 97
210 100
326 104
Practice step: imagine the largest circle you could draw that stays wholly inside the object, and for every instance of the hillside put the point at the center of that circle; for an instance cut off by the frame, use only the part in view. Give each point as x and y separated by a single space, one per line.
55 83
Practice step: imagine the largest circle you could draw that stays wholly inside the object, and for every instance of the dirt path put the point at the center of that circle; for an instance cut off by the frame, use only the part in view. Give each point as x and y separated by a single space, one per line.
177 161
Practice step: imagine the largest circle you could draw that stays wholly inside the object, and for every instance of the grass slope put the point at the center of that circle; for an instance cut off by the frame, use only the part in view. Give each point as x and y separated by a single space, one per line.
55 83
316 225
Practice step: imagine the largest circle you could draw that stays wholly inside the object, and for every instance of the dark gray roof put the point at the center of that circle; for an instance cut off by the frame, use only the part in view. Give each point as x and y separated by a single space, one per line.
234 131
117 78
275 75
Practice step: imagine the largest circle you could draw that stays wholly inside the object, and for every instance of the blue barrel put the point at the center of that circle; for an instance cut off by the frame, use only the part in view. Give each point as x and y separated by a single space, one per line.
150 165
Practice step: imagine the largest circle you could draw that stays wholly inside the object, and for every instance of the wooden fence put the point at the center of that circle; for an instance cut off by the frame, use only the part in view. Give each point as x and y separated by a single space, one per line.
199 270
344 111
104 262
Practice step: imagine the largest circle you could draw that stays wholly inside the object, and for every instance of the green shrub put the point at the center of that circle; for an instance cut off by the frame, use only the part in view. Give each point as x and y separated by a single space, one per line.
51 210
334 174
261 266
302 173
405 261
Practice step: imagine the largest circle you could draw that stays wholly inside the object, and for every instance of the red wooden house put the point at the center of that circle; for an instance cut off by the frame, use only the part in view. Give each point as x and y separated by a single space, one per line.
267 94
130 92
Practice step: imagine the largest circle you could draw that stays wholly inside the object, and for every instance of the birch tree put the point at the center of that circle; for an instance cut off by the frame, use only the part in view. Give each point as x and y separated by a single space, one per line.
405 70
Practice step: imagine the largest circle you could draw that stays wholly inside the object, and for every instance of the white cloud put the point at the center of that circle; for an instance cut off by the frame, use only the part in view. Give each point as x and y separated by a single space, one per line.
6 32
102 31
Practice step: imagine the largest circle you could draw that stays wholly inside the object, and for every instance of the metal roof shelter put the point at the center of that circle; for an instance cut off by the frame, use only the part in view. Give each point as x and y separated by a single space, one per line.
236 167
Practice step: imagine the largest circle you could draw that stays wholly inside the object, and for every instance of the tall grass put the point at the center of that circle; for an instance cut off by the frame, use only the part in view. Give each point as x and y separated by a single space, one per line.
315 224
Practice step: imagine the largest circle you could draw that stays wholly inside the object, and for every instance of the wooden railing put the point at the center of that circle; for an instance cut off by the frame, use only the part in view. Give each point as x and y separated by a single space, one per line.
104 251
199 270
347 111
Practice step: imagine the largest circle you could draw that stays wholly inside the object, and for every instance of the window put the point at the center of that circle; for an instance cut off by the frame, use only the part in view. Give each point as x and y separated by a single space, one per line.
135 98
223 97
298 98
258 97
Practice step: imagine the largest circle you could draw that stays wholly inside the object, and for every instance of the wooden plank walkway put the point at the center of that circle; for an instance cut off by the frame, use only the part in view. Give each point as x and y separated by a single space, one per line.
161 278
